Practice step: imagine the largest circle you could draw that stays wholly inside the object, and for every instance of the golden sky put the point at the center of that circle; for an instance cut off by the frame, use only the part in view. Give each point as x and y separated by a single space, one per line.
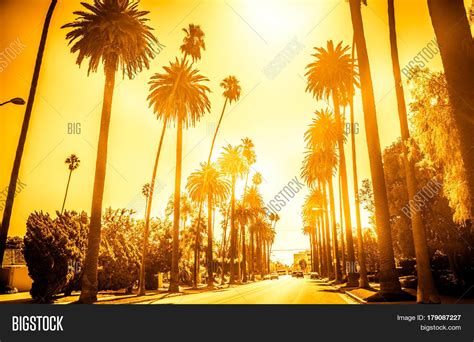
242 38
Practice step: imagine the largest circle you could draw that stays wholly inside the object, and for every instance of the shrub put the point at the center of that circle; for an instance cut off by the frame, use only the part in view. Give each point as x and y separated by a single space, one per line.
159 251
119 258
51 246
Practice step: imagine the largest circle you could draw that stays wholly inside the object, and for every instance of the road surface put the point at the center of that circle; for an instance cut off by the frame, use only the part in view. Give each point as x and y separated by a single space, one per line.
286 290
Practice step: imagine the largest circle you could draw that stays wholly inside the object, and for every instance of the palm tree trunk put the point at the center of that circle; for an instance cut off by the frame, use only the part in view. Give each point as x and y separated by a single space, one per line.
337 268
389 283
197 241
89 278
217 130
224 233
456 46
322 248
341 219
7 212
233 235
141 290
210 262
426 291
244 255
67 188
330 266
252 255
174 281
363 281
351 276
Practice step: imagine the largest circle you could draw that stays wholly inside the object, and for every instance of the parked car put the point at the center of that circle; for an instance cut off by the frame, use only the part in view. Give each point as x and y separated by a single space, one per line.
274 275
314 275
293 274
299 274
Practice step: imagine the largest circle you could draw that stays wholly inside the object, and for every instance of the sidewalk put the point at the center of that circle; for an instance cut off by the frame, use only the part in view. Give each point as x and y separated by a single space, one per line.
361 295
114 297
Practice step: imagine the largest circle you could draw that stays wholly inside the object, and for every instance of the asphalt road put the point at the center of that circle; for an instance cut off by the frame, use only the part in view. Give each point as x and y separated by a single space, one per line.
286 290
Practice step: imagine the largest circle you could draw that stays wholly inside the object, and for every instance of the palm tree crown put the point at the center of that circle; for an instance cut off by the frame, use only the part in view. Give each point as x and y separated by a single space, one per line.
231 161
208 181
193 42
231 87
179 93
331 71
73 162
114 32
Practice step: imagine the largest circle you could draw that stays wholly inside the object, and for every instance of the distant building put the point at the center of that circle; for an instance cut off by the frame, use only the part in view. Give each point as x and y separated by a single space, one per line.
303 255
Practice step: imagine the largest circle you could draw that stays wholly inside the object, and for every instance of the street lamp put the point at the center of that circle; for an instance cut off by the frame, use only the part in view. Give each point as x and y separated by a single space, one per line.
16 100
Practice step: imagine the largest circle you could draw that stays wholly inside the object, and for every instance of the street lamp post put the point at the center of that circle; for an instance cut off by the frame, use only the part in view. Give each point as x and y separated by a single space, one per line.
16 100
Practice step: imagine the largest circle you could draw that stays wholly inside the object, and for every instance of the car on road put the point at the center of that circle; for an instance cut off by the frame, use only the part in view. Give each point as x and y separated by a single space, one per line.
314 275
274 275
299 274
293 274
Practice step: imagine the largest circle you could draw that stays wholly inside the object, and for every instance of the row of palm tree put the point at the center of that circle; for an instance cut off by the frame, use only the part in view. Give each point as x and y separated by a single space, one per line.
335 73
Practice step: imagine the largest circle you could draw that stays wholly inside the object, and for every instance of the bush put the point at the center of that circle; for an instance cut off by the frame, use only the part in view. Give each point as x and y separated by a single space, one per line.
51 247
159 251
55 250
119 258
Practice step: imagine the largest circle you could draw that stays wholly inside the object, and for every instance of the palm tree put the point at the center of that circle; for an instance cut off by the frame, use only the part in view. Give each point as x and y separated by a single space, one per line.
179 96
319 166
7 212
232 164
193 42
389 284
146 192
330 76
231 93
426 290
254 202
363 281
115 33
248 152
73 163
208 183
453 35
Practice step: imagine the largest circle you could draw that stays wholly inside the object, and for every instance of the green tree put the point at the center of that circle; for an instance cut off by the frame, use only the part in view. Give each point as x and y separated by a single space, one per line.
456 46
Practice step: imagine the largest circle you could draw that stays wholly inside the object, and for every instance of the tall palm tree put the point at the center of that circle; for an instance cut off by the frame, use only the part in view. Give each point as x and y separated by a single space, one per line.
146 192
426 290
193 42
208 183
248 152
330 76
254 202
363 280
232 164
112 32
453 35
73 163
7 212
231 93
180 96
389 284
